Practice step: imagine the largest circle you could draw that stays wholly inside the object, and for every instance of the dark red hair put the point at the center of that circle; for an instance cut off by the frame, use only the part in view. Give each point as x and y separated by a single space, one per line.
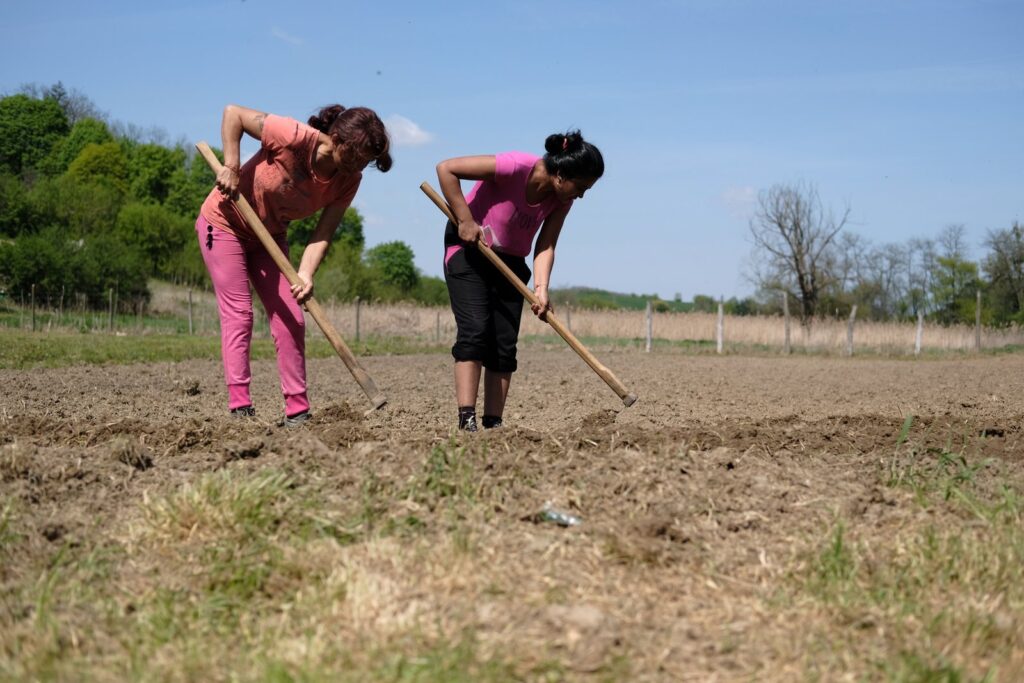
357 127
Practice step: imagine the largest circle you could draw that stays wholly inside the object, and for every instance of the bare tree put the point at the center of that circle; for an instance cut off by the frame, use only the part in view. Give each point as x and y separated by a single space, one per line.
76 105
792 234
921 256
952 241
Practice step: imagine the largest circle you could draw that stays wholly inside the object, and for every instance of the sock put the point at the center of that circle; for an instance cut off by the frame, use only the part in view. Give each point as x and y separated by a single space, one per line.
491 421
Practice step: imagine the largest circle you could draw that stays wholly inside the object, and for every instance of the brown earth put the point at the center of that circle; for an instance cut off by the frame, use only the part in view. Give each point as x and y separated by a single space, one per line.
700 504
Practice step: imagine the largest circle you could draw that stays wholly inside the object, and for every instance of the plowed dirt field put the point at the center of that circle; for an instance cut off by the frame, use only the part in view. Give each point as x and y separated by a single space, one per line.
749 518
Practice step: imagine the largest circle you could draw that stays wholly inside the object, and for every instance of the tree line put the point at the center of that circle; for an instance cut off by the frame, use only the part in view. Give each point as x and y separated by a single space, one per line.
802 249
88 205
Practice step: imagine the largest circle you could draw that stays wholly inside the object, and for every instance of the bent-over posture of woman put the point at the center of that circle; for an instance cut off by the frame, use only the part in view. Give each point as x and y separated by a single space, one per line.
516 195
299 169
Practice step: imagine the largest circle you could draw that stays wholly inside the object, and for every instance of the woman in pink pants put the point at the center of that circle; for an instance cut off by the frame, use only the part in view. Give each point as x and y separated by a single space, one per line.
299 169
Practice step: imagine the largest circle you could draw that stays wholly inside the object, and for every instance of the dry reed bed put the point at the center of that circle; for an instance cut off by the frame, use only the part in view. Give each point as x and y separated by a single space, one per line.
823 335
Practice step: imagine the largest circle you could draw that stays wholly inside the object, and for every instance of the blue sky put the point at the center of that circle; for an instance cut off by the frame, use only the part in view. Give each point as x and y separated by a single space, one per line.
909 112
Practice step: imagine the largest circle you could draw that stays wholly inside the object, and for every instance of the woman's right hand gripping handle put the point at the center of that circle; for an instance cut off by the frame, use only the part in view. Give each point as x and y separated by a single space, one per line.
470 231
449 173
227 181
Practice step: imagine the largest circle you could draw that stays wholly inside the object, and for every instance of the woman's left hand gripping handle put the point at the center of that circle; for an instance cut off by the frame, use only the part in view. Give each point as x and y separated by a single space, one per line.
304 288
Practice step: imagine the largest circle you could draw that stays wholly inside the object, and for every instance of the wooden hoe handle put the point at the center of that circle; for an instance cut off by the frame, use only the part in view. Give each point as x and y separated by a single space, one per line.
604 373
312 305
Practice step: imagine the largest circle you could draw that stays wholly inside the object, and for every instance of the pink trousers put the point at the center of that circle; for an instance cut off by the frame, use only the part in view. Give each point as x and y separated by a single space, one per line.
234 263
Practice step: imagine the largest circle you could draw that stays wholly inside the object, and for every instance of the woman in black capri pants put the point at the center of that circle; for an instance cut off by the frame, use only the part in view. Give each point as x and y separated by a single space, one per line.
517 195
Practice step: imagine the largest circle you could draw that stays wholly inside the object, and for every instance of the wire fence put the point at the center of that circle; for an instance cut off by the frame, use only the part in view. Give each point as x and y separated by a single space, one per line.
176 310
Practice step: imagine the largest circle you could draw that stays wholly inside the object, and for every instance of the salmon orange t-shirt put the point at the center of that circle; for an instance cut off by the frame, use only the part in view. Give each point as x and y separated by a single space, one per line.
280 183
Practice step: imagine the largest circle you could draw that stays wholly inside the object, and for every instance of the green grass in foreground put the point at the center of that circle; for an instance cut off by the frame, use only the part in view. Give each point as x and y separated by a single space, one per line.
21 349
934 601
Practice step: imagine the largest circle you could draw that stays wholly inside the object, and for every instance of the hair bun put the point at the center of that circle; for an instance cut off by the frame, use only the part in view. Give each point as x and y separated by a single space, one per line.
322 121
559 143
569 155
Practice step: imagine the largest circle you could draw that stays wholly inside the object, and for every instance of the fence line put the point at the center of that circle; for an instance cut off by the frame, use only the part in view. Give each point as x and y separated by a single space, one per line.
825 335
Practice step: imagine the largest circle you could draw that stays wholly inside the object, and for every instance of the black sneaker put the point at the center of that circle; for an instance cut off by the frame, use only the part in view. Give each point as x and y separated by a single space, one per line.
468 423
491 422
296 420
243 411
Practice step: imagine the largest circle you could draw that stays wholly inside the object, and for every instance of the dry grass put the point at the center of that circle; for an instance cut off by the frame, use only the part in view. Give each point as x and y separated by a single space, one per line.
827 335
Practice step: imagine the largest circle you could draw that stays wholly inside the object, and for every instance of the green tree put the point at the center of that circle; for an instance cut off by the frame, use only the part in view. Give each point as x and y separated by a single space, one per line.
103 164
81 207
431 291
91 267
954 287
150 169
41 259
344 275
105 262
188 186
186 266
84 132
745 306
155 231
15 208
29 128
394 262
1004 266
348 232
704 303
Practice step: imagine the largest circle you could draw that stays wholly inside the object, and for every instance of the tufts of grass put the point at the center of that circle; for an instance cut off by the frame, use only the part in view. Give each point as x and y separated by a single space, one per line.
8 536
447 477
222 505
927 471
939 597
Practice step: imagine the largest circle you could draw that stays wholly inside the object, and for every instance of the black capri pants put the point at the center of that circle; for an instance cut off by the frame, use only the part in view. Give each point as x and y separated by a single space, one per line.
487 307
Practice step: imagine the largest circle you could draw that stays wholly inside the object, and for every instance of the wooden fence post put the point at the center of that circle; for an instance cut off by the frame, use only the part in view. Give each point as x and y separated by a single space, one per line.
977 324
849 330
720 327
110 300
33 299
920 333
437 328
190 329
359 303
60 310
785 316
650 327
568 316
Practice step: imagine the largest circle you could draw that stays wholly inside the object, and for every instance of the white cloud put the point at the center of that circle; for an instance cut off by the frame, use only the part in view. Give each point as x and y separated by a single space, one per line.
740 201
286 37
406 133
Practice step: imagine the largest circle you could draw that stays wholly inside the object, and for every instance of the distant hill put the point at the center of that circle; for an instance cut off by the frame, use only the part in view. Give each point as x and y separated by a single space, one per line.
587 297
